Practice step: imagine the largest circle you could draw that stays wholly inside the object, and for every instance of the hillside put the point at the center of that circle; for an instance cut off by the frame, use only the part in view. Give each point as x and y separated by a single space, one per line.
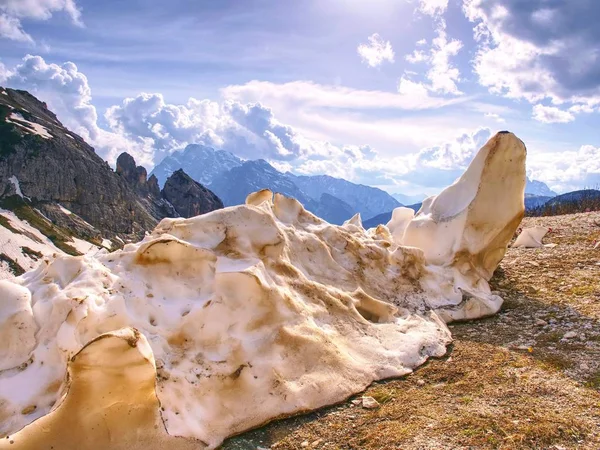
569 203
527 378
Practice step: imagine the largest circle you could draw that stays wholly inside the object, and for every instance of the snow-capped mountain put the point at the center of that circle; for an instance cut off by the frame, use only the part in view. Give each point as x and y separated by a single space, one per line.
234 185
233 179
203 164
366 200
539 188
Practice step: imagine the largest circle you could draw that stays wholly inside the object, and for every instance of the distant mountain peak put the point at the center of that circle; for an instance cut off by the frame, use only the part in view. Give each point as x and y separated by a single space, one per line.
540 188
200 162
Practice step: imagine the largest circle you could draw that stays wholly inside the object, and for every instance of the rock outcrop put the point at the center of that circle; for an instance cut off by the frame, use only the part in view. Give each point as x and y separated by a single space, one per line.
188 197
180 197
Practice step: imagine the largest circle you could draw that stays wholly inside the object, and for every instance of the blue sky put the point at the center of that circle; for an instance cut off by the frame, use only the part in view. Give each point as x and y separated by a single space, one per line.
394 93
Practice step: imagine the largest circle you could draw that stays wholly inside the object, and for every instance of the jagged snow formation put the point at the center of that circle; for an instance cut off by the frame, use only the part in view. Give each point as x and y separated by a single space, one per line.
251 313
467 226
531 237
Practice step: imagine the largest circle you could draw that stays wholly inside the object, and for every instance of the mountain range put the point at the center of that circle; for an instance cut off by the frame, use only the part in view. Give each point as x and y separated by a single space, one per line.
232 179
333 199
58 195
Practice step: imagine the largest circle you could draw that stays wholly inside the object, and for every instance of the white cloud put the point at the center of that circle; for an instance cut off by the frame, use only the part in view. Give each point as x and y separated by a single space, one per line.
147 126
551 114
13 11
567 170
538 49
10 28
442 75
68 94
433 7
416 56
495 117
455 154
376 51
309 94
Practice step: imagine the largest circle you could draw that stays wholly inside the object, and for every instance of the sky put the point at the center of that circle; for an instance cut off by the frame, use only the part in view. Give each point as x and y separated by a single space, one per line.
398 94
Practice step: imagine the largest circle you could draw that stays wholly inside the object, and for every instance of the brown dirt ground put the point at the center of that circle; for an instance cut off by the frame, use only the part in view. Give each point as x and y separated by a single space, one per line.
512 381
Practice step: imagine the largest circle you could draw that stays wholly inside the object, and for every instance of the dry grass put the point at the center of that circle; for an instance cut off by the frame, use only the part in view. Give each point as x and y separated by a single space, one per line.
512 381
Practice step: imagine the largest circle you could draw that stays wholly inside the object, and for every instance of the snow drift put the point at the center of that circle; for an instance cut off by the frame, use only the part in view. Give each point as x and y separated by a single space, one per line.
246 314
531 237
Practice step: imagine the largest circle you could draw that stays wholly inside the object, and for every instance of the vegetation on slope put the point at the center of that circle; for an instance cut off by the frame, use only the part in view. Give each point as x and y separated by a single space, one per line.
60 237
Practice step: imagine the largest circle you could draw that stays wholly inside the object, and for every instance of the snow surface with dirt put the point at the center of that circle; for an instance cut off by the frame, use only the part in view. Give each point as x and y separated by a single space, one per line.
264 310
24 245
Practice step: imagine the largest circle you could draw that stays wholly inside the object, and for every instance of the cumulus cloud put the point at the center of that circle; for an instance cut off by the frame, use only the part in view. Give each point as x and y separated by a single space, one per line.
433 7
567 170
376 51
443 76
538 49
551 114
13 11
64 86
249 130
440 165
68 94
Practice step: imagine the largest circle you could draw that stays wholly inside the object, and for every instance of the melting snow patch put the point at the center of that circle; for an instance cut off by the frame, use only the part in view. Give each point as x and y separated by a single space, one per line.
84 247
65 210
106 243
29 126
24 245
252 312
15 181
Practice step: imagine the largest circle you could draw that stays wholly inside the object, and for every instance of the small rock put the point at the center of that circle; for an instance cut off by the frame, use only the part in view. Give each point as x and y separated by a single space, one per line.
584 366
541 323
357 401
534 264
421 382
369 402
304 444
569 335
317 442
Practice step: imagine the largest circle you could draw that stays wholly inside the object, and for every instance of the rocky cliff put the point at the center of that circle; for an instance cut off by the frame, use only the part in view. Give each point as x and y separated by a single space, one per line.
58 196
188 197
43 162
